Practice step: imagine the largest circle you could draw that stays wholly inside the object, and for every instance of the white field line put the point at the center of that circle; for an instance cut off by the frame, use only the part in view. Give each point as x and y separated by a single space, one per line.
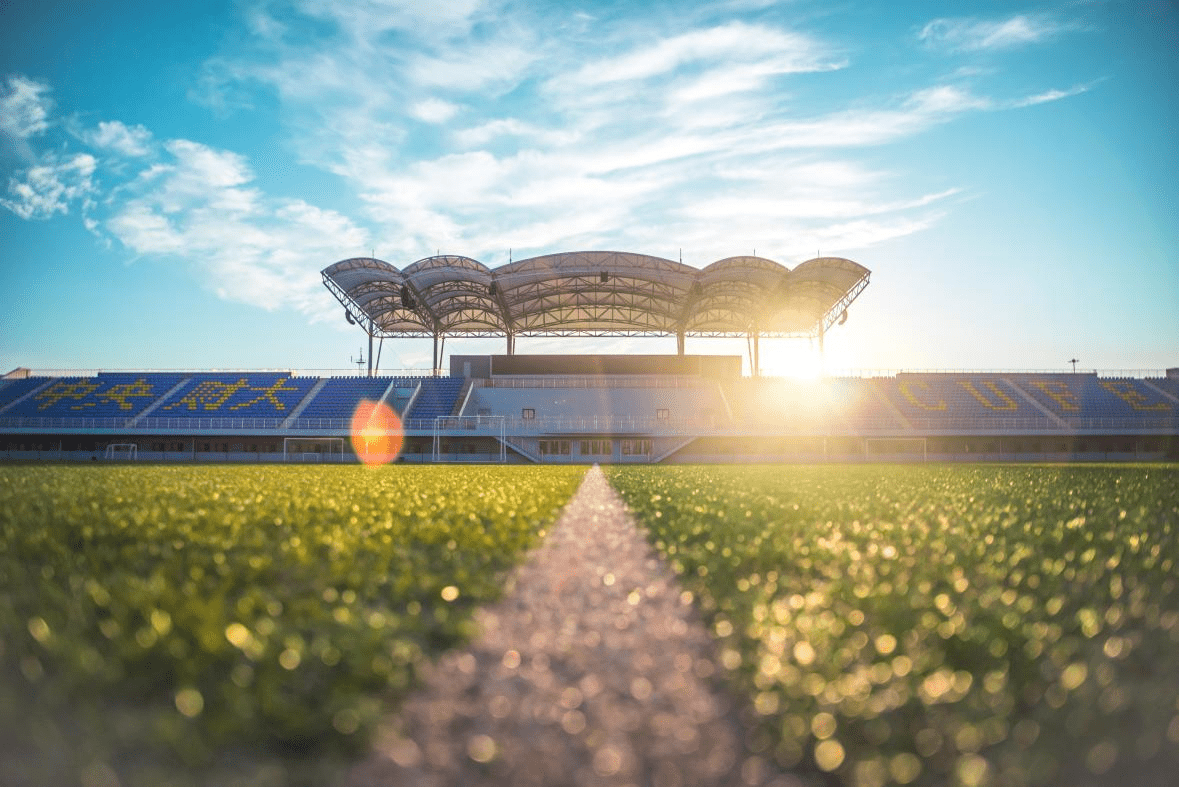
592 670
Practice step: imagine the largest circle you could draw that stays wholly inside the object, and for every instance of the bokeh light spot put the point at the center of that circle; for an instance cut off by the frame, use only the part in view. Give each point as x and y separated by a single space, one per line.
377 435
189 702
829 755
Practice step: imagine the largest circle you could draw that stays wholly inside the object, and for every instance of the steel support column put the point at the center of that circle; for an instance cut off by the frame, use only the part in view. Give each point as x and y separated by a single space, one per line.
822 356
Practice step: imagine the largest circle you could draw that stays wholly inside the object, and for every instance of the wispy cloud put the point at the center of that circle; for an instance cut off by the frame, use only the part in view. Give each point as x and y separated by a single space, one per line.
24 112
199 206
49 187
434 110
967 34
608 140
472 127
119 138
24 107
42 184
863 126
1051 95
775 51
511 127
677 75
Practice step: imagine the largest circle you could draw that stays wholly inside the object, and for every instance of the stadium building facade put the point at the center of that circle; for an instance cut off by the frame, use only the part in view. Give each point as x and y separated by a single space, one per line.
526 408
593 408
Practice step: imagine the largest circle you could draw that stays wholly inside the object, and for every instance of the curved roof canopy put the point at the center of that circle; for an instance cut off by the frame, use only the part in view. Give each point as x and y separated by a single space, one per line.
595 293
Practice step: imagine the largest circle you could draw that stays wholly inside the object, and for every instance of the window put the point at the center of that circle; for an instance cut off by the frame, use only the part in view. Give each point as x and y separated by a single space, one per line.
528 414
555 448
663 414
636 447
597 447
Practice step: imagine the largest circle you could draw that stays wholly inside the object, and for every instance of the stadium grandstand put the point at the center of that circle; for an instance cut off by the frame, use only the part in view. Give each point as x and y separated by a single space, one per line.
594 408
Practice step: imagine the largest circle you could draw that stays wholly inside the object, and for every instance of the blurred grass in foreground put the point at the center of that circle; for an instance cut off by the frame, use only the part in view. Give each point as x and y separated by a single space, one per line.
969 625
185 625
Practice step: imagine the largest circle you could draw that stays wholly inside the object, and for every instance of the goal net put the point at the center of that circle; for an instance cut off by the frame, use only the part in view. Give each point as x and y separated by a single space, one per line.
124 451
313 449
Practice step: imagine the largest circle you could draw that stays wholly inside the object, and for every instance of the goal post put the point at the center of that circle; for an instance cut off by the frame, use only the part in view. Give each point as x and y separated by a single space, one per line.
313 449
122 451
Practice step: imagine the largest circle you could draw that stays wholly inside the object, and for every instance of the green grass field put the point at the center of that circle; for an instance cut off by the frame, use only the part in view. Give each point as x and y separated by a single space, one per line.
153 619
970 625
938 625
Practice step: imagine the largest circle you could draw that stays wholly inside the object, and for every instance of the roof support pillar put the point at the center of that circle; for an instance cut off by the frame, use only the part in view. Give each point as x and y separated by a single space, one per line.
754 361
511 343
822 358
370 352
434 357
679 342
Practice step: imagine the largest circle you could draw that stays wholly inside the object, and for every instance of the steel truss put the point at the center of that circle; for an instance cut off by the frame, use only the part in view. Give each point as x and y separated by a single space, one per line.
594 294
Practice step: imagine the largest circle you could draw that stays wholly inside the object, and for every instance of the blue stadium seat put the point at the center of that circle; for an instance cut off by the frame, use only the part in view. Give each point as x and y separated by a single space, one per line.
437 397
956 398
15 389
340 395
115 395
252 395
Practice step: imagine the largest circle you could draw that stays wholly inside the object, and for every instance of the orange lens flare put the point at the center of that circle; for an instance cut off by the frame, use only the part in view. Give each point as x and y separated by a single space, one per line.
376 433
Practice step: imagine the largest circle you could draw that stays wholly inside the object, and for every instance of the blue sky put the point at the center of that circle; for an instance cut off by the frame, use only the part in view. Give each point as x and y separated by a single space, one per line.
175 176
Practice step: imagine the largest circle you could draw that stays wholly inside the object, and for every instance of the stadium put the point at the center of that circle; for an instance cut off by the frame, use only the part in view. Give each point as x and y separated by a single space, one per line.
589 569
513 408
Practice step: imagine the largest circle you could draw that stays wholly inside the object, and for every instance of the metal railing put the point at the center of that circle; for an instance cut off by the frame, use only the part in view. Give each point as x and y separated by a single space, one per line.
595 381
352 372
605 424
228 370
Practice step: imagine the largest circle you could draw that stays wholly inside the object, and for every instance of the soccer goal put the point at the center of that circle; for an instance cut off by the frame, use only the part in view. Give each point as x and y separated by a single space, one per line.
313 449
122 451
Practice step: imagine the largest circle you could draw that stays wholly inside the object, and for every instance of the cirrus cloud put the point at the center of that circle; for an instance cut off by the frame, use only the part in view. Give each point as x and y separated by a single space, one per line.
972 34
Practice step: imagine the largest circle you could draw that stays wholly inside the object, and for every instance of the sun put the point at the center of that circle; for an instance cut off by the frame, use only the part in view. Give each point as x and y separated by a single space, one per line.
789 358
